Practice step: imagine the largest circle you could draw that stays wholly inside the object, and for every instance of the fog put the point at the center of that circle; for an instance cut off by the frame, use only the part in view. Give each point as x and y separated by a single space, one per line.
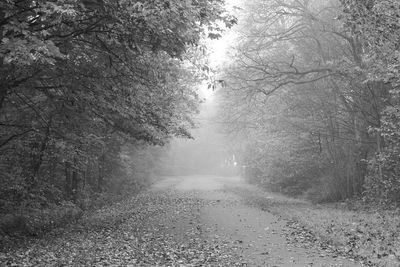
208 152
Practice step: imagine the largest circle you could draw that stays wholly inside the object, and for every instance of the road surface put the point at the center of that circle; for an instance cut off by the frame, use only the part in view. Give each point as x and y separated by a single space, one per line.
254 236
180 221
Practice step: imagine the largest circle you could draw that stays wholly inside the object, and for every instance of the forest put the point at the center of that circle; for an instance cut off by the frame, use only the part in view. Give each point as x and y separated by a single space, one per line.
89 93
311 98
94 93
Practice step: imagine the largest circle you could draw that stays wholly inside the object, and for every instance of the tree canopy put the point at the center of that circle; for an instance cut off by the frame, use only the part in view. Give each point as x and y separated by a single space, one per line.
81 79
313 90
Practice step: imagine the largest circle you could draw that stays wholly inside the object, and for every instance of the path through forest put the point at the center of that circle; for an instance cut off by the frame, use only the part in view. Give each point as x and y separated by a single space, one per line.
180 221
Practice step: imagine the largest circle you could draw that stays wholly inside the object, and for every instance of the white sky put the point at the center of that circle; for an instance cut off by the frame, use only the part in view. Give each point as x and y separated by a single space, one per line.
219 50
219 47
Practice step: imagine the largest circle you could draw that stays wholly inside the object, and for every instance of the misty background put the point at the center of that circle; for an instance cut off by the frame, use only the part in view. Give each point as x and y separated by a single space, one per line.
209 152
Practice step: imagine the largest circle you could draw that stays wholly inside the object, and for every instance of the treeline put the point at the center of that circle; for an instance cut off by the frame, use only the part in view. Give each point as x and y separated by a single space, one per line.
312 98
88 88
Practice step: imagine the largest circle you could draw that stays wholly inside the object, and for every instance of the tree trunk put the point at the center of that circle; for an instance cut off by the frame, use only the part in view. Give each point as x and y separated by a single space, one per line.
3 92
68 180
75 183
379 147
3 87
100 177
37 163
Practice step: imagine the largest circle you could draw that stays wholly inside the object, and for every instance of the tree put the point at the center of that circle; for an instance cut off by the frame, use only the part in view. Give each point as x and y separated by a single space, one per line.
376 25
81 79
299 78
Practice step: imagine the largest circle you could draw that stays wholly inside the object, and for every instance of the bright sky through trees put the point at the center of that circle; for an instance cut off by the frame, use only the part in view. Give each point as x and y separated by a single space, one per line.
219 49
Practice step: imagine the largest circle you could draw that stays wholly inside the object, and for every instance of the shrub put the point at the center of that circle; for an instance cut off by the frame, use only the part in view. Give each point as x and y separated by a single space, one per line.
39 221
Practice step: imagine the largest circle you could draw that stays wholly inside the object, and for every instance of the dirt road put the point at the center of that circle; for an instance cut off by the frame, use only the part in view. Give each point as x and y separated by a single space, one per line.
256 237
180 221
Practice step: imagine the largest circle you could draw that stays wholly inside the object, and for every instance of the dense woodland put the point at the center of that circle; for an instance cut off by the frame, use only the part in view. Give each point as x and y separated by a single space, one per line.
311 100
90 90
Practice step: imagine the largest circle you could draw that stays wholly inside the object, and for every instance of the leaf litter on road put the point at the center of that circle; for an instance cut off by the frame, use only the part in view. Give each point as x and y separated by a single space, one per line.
151 229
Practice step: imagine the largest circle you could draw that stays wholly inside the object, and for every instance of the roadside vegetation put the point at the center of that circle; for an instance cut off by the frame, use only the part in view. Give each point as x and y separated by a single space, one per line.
311 98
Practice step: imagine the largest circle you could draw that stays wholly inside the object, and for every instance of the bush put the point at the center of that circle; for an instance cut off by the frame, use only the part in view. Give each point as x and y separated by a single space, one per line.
324 191
38 221
383 180
383 186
